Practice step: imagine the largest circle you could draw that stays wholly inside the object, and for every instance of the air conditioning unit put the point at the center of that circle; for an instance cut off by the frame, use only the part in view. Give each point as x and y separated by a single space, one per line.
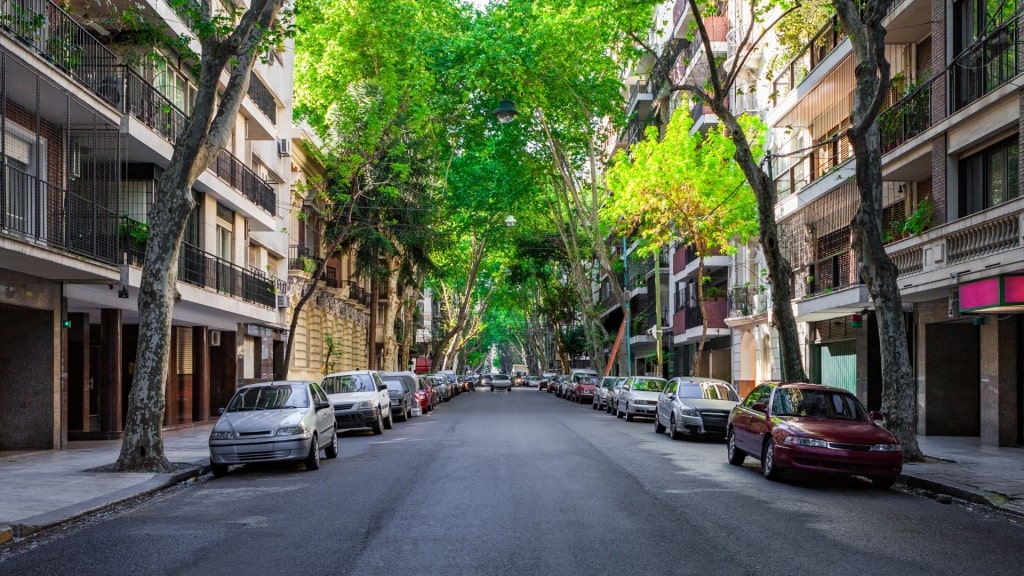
214 337
284 147
282 300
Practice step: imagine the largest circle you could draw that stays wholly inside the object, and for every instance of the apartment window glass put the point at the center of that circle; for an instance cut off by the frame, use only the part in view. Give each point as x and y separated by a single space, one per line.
225 233
989 177
25 199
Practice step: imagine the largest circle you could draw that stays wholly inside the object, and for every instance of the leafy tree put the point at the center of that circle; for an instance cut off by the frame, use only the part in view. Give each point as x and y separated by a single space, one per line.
685 188
229 44
863 23
764 15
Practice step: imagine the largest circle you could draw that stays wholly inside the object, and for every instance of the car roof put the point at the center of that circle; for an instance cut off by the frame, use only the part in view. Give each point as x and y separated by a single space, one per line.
275 383
351 373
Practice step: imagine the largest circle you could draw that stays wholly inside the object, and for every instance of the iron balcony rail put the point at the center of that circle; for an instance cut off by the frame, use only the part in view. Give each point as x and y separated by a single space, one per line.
49 31
909 116
261 96
203 269
986 65
56 218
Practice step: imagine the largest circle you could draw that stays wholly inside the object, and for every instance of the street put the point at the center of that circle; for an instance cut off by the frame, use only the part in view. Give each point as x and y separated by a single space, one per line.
525 483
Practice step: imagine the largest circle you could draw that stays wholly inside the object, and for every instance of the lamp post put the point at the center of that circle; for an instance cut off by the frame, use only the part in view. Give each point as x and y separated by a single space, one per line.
506 111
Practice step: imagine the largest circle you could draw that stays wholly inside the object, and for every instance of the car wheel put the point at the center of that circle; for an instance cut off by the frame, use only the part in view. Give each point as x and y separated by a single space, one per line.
673 431
378 426
618 413
629 417
390 422
313 460
658 428
332 449
218 469
883 482
736 456
768 465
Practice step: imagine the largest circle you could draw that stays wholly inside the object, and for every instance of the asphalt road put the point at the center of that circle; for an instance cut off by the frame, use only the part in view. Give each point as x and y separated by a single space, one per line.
523 483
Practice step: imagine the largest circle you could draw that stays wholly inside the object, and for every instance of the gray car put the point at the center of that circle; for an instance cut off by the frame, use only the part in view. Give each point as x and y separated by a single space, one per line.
696 406
501 382
402 390
273 422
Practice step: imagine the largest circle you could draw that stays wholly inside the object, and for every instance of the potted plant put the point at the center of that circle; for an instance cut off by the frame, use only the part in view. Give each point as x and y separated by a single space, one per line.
920 219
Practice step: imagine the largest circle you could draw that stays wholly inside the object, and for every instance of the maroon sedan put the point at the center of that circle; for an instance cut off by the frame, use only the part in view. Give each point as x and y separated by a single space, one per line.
812 428
583 391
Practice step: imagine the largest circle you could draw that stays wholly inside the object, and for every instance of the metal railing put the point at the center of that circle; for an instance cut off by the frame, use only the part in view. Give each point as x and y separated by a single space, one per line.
748 300
56 218
49 31
986 65
909 116
262 97
810 57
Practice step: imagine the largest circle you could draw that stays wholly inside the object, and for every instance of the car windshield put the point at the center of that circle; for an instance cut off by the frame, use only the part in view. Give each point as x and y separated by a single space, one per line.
394 386
805 402
648 385
500 377
348 383
708 391
269 398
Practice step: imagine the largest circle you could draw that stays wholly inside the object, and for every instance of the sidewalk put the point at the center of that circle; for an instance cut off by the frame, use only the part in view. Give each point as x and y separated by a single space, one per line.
43 489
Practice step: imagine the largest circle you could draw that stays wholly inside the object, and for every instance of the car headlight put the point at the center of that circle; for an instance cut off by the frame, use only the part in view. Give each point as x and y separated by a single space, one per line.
886 448
363 405
222 435
689 411
299 430
803 441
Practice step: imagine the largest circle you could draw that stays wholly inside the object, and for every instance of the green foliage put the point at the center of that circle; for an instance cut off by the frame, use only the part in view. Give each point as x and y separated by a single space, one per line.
684 188
921 218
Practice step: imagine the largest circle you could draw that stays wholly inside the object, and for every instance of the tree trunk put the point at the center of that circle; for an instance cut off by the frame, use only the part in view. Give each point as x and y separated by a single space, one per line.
205 133
899 389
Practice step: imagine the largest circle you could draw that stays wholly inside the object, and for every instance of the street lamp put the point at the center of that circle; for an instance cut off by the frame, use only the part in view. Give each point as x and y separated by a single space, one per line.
510 221
506 111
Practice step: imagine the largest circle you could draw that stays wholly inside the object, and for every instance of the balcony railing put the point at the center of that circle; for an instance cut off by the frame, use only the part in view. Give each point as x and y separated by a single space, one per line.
261 96
203 269
909 116
748 300
49 31
813 54
56 218
986 65
206 270
298 255
242 178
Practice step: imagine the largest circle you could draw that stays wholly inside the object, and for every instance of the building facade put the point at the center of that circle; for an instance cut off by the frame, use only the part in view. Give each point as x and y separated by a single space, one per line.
89 118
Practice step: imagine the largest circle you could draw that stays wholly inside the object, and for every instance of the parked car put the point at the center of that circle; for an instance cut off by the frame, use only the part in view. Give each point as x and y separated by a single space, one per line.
565 387
545 380
471 381
602 390
533 381
485 379
812 428
426 395
694 405
402 390
274 421
583 391
453 382
613 393
441 388
639 397
501 382
360 400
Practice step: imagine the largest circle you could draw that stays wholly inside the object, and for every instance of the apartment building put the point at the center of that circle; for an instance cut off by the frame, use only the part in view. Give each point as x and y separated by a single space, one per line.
670 280
333 328
89 112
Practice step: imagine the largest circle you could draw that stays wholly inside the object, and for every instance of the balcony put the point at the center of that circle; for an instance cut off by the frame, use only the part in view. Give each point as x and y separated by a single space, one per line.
748 301
203 269
986 65
48 30
50 216
263 98
813 54
693 322
909 116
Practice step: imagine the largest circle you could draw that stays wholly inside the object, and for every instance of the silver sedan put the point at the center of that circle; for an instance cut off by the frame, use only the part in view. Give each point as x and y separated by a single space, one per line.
698 406
272 422
501 382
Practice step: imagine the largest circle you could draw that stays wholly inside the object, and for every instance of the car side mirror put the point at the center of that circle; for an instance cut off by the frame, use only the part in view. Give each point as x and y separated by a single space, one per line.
759 407
671 396
220 410
381 387
875 415
322 405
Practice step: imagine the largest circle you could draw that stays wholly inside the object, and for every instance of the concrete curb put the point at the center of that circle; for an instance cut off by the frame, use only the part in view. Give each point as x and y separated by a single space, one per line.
996 501
71 513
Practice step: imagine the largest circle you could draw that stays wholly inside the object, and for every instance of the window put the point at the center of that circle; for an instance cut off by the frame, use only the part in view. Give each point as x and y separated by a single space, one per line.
989 177
24 167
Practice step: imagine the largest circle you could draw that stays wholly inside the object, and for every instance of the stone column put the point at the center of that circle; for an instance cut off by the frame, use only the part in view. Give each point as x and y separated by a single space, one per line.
110 370
999 382
200 373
